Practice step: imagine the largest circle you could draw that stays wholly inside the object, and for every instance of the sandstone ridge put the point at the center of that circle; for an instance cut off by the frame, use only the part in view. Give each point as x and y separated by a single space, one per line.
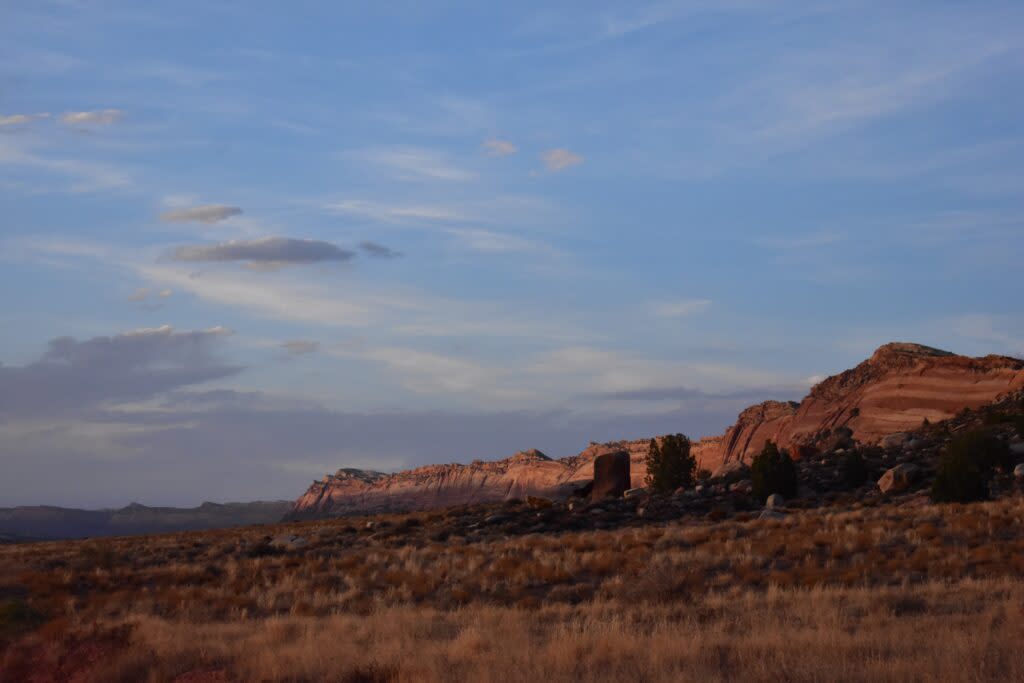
895 390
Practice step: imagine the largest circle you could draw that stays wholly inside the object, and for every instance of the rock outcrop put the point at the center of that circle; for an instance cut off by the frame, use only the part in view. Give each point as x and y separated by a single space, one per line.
895 390
611 476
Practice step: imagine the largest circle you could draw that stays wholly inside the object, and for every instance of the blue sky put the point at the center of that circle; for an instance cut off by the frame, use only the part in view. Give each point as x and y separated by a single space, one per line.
244 244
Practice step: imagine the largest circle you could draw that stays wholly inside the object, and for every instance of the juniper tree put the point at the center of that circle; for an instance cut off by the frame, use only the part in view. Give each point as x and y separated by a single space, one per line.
670 464
772 471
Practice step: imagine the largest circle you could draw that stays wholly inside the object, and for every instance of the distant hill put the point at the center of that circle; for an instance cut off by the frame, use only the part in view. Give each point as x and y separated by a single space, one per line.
43 522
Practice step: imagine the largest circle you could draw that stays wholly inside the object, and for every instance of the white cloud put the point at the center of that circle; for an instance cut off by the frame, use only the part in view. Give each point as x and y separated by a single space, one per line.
20 119
678 309
560 159
100 117
394 213
499 148
87 176
415 163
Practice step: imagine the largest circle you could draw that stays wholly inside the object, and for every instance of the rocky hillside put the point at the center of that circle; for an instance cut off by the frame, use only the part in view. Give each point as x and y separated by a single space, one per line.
895 390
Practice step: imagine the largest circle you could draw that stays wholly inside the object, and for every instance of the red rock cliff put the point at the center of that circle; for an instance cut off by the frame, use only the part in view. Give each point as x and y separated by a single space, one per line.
894 390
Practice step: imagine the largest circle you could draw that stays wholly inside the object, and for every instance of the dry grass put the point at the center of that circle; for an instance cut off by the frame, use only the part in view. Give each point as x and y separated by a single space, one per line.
929 632
887 594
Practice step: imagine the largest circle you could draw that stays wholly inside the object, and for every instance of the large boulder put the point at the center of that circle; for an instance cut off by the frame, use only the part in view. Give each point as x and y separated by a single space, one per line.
898 478
611 476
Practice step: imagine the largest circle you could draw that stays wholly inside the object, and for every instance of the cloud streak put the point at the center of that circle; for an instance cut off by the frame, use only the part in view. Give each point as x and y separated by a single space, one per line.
379 250
270 252
207 213
99 117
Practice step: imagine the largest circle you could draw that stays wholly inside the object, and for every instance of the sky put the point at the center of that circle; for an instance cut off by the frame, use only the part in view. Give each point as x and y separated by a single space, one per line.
244 244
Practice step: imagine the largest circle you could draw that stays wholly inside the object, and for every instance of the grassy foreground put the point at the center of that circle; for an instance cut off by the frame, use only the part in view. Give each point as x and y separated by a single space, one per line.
911 592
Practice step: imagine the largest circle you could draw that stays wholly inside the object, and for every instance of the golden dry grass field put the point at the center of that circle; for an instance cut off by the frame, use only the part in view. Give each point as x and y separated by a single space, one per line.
912 592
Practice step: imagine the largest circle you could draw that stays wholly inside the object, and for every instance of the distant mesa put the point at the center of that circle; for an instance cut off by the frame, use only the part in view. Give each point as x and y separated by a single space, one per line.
895 390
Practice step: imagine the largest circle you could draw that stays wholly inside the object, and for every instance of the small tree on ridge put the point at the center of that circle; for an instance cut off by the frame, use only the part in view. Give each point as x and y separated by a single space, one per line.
670 464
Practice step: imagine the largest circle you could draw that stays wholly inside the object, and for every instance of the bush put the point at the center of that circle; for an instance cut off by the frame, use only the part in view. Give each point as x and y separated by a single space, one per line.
853 469
966 466
773 471
670 465
703 474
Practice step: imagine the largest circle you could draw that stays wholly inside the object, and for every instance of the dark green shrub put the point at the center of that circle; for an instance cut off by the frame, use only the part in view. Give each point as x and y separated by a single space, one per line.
670 464
967 464
773 471
703 474
853 470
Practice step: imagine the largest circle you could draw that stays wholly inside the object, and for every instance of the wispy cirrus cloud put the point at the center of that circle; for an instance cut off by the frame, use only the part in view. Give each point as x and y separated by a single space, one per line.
388 212
415 163
490 241
98 117
499 148
22 119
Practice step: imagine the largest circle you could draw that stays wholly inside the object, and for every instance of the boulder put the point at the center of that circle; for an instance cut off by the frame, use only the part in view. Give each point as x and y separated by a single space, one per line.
898 478
288 542
611 476
1018 471
775 501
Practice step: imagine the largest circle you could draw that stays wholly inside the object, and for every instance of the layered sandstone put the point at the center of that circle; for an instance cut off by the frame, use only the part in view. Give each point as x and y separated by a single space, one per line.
529 473
895 390
899 387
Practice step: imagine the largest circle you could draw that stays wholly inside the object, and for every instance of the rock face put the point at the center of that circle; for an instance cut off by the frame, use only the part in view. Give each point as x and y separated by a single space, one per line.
893 391
529 473
611 476
896 389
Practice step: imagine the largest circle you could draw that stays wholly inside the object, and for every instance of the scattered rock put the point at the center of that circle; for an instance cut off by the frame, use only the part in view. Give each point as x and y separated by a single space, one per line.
775 501
1018 471
634 492
895 440
288 542
898 478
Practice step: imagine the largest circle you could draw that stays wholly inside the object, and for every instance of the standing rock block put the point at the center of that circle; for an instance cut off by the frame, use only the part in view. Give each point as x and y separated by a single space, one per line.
611 476
898 478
